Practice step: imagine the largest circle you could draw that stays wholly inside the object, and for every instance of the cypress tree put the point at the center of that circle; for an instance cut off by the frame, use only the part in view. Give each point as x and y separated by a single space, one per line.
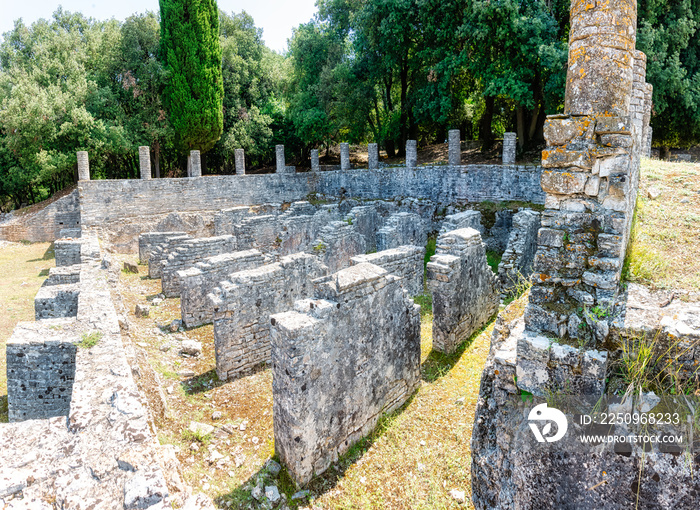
191 54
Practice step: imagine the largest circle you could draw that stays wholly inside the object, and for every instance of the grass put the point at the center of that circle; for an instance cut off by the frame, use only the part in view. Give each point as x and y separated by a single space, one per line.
493 258
23 267
664 245
89 340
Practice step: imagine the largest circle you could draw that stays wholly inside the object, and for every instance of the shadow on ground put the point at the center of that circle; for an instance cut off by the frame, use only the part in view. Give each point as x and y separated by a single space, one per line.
4 413
49 254
241 496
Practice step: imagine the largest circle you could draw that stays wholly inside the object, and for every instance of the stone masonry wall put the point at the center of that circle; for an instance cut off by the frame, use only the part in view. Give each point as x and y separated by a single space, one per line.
200 280
54 301
400 229
243 303
62 275
67 252
463 288
44 225
516 263
187 254
159 251
404 261
337 243
40 371
339 362
150 241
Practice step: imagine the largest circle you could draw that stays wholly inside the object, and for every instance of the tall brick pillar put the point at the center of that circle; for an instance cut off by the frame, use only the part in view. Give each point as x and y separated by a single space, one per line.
591 171
145 161
83 166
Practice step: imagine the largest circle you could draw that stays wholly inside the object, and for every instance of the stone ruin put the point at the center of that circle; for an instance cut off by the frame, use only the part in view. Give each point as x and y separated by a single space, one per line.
312 273
561 351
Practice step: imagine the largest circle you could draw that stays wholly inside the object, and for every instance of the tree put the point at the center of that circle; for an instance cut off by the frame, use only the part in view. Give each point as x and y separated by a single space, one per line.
191 54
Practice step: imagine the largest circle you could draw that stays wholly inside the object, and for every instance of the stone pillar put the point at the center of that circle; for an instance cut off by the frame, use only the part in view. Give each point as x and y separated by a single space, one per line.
281 165
454 148
196 164
344 156
646 133
411 153
145 162
510 146
372 156
314 161
83 166
240 161
591 171
601 45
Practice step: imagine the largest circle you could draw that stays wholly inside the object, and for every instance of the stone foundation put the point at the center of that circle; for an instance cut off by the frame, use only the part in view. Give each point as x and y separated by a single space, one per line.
198 281
463 288
515 267
55 301
400 229
243 303
187 254
339 362
40 370
404 261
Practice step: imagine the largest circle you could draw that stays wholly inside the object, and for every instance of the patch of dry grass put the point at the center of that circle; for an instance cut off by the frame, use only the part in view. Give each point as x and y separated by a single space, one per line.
24 268
664 249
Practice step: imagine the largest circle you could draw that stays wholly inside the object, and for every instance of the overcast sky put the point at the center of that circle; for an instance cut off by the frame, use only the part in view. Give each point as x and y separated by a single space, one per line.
275 17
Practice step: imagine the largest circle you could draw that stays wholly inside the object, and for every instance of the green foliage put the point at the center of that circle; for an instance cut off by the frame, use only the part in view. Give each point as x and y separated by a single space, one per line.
493 258
191 54
89 340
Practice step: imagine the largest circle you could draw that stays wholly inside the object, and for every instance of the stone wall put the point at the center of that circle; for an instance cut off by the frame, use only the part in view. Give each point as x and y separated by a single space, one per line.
187 254
44 225
151 241
104 455
198 281
339 362
158 250
337 243
463 288
40 370
404 261
515 267
54 301
400 229
63 275
66 252
243 303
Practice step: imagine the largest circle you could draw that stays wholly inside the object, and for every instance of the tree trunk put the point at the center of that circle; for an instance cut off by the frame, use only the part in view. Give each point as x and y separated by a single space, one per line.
520 126
403 118
485 133
390 148
156 148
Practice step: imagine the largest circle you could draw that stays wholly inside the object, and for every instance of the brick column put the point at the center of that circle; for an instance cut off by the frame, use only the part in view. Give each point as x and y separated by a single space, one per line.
239 156
195 164
83 166
145 161
344 156
315 167
279 154
591 171
372 156
454 148
510 145
411 153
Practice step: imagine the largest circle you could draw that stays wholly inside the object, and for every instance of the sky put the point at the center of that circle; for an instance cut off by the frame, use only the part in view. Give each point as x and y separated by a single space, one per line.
275 17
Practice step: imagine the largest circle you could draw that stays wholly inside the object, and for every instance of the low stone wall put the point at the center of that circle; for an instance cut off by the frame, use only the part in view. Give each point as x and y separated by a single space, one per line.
243 303
159 251
463 288
67 252
44 225
150 241
198 281
464 219
367 222
400 229
404 261
40 370
337 243
63 275
55 301
187 254
515 267
339 362
104 455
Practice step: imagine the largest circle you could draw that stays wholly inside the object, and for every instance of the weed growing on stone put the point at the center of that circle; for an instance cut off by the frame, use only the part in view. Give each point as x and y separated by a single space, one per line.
189 436
493 258
89 340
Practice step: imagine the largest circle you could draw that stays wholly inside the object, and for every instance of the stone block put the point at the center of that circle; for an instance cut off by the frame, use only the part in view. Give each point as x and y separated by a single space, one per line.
559 132
559 157
563 183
